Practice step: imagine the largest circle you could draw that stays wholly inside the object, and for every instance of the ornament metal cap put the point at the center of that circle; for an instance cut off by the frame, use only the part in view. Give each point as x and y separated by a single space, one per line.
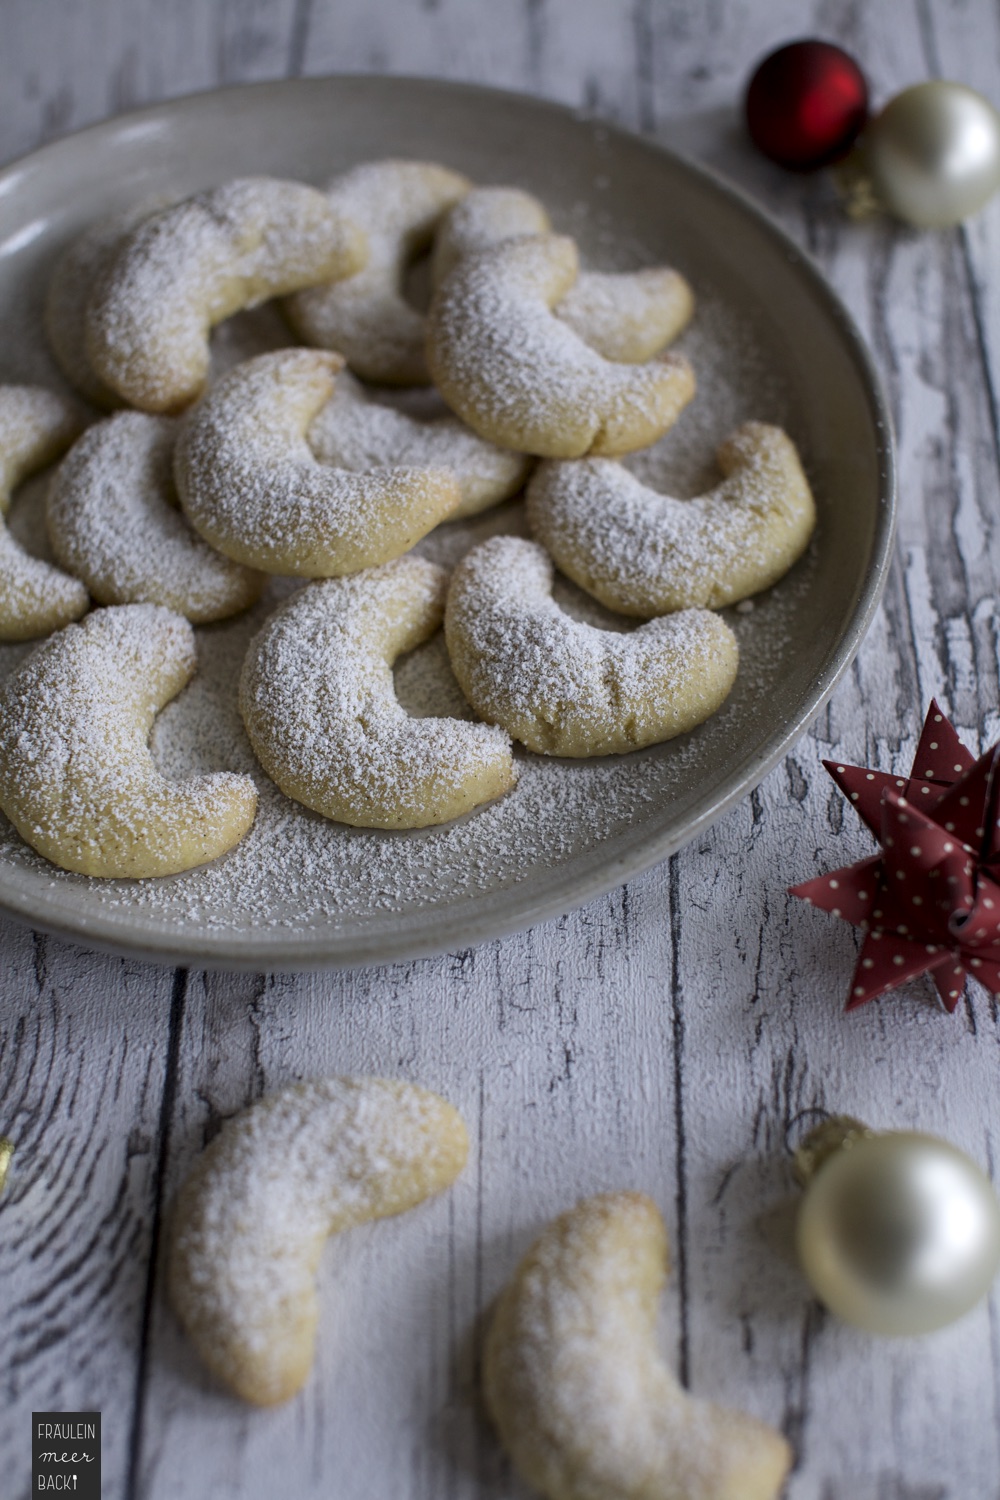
837 1133
898 1232
931 157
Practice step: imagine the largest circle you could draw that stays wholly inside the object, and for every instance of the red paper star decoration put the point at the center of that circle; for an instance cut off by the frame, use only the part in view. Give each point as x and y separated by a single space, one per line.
931 900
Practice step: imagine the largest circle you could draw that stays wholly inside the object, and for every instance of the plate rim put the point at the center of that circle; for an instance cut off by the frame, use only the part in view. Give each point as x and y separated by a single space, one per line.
454 930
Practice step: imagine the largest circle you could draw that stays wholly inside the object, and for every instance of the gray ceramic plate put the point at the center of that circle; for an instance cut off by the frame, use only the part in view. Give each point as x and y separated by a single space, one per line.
769 340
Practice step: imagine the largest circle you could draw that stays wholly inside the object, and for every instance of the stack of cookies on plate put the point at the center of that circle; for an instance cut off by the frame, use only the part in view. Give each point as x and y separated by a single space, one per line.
173 511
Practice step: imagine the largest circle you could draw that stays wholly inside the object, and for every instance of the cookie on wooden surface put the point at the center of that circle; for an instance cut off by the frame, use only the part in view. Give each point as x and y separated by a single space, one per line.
563 687
320 708
250 1222
77 779
188 267
644 553
578 1390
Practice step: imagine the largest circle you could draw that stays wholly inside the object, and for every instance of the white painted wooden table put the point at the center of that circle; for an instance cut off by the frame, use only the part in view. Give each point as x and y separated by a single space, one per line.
661 1038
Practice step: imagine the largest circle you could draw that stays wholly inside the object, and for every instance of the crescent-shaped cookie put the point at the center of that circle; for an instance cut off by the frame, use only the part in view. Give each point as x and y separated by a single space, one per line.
36 426
485 217
577 1388
113 521
77 779
626 316
563 687
366 317
320 707
76 273
254 489
523 378
188 267
644 553
250 1222
356 432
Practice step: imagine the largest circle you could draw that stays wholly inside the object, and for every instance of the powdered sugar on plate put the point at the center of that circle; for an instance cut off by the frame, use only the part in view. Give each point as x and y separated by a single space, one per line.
296 873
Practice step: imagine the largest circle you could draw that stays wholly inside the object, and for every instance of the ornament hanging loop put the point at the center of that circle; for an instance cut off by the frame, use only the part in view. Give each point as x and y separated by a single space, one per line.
6 1152
836 1133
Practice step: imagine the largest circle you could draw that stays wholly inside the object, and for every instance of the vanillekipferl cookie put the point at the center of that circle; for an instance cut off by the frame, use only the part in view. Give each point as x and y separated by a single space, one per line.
578 1390
564 687
366 317
252 486
356 431
250 1222
643 553
36 426
188 267
626 316
77 779
113 520
518 374
320 708
77 271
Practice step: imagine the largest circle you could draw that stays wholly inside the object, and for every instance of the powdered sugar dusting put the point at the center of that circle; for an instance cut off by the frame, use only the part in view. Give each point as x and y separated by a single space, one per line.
73 280
646 553
189 266
296 874
626 316
252 486
318 701
560 685
356 431
75 772
522 377
367 317
576 1384
114 522
306 1162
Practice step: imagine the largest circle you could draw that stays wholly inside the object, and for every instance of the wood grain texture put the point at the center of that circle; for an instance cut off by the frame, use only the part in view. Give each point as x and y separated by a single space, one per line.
81 1096
664 1037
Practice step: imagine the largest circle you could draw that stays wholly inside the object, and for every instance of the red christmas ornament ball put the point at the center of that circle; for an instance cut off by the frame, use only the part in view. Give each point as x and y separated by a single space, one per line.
805 104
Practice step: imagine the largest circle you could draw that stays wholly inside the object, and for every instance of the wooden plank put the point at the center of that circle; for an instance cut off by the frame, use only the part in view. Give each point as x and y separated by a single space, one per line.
771 1041
67 65
81 1087
85 1041
583 54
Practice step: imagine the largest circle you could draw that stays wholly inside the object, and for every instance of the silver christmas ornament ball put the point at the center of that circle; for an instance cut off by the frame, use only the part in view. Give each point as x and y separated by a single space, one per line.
898 1233
933 154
